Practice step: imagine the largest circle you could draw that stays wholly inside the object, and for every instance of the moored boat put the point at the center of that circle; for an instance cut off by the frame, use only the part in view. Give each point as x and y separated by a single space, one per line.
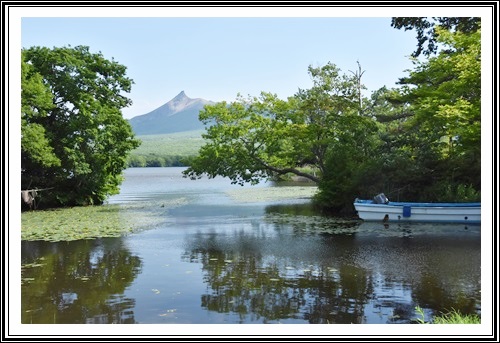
383 210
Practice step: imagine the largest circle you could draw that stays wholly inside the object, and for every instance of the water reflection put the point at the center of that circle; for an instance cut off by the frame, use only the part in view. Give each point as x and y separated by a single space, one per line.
278 268
328 271
246 279
211 260
77 282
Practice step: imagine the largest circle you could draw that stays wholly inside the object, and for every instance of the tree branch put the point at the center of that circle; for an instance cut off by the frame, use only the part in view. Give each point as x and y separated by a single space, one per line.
384 118
282 171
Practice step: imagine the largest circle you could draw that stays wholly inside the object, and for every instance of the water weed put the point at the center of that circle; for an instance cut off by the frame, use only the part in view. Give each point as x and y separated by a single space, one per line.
453 317
91 222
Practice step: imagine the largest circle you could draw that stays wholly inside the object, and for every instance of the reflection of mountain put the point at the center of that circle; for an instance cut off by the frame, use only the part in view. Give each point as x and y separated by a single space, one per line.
84 281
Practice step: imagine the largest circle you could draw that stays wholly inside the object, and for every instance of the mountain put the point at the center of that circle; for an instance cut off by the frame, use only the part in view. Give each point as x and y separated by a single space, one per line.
178 115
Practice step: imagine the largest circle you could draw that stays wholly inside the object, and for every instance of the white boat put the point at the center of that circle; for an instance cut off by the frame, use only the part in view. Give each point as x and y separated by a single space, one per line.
383 210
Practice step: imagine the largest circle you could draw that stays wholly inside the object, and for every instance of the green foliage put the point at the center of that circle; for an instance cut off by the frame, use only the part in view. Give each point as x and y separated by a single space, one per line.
348 138
36 102
75 140
250 139
452 317
439 140
265 137
455 317
426 29
421 314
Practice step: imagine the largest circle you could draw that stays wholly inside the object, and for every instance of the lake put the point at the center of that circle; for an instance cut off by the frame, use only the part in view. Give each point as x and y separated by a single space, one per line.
210 252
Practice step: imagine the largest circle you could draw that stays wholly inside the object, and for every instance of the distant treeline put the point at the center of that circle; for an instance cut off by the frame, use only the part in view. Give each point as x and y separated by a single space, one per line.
166 150
135 161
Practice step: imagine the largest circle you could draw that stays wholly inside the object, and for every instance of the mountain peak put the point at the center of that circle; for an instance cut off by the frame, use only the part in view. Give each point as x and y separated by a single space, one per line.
180 96
177 115
180 102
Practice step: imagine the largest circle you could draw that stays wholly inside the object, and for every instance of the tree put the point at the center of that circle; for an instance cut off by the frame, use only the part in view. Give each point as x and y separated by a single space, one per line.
426 29
441 133
36 102
74 138
263 137
250 139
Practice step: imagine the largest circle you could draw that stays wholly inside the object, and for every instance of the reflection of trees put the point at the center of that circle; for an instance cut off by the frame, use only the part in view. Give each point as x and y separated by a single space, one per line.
328 271
244 278
461 288
438 264
77 282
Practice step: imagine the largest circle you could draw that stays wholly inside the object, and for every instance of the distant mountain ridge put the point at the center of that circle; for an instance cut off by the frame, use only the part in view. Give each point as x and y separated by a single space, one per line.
178 115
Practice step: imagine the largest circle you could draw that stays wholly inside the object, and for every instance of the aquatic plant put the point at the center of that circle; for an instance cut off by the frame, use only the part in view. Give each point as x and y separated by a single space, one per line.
90 222
452 317
455 317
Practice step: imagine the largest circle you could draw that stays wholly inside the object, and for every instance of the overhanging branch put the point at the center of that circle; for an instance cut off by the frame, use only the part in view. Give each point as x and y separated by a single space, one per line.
282 171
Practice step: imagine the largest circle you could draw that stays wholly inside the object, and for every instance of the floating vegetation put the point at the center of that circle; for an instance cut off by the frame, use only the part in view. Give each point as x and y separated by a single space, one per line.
269 194
90 222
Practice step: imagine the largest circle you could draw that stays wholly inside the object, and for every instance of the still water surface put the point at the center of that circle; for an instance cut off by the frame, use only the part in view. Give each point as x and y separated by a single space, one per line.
211 252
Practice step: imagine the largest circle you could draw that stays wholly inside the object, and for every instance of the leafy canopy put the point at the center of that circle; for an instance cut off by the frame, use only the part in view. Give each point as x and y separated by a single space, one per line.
266 137
74 138
433 142
427 33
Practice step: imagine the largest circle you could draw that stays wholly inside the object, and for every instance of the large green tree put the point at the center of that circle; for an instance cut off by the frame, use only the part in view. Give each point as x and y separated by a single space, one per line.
262 137
250 139
36 103
75 140
439 141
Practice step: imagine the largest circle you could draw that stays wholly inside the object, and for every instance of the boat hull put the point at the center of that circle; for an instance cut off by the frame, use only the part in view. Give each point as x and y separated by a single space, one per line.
419 212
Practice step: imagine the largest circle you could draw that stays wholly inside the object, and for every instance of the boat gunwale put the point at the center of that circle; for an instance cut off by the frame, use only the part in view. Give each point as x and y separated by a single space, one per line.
418 204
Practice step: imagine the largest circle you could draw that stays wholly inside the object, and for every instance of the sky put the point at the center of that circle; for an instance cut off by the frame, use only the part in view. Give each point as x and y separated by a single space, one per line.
215 53
217 58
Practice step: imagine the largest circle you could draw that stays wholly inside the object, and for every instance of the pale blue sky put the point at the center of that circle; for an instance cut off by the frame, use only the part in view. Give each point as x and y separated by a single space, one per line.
216 58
